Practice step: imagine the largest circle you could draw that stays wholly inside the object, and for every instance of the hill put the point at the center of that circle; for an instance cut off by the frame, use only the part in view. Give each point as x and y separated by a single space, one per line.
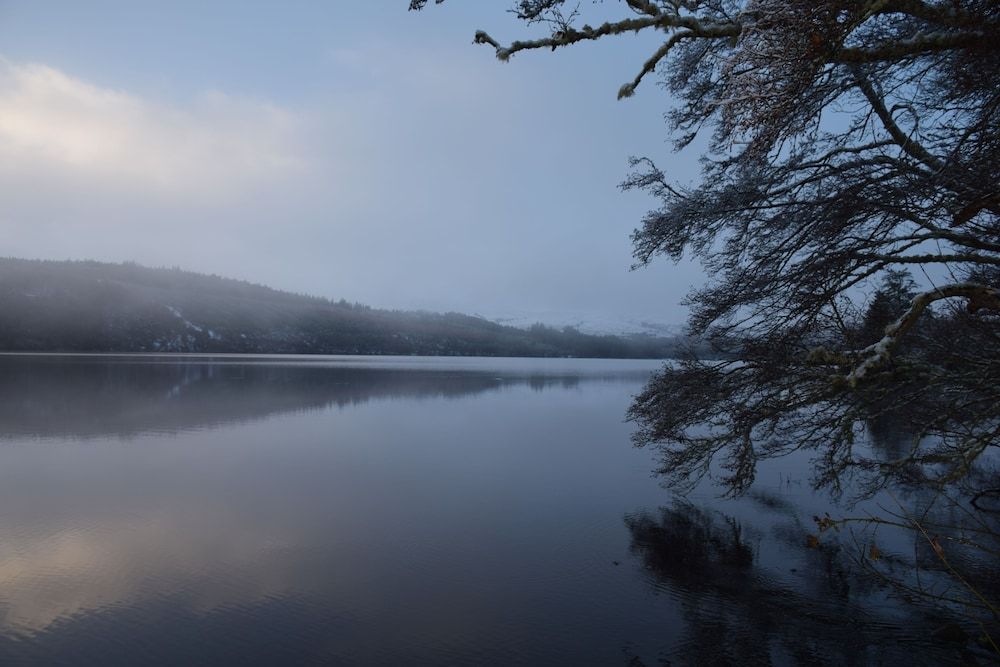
86 306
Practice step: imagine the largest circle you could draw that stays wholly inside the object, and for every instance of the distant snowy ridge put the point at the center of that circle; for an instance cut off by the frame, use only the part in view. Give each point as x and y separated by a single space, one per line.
591 324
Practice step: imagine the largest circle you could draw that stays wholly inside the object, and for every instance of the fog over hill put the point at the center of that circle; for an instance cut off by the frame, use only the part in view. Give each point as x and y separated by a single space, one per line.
86 306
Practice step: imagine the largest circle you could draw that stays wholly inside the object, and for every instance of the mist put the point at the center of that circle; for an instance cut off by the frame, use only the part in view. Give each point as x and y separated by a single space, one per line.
353 151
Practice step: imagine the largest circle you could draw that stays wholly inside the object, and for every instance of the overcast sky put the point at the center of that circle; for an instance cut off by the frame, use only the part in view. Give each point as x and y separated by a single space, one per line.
348 149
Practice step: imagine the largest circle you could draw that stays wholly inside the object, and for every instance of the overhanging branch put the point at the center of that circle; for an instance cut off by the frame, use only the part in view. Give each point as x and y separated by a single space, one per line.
979 297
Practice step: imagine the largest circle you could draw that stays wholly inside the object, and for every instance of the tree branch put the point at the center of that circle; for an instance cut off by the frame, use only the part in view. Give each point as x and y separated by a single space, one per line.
979 297
910 147
661 21
904 48
628 89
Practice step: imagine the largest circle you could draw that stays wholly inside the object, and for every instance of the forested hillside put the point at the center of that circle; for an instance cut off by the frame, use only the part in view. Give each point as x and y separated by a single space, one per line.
96 307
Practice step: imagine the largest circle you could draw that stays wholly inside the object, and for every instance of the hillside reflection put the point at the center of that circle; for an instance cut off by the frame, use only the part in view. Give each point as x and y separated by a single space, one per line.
88 397
442 512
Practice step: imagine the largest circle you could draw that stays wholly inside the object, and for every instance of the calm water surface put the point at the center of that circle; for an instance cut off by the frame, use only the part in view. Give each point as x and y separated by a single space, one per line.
396 511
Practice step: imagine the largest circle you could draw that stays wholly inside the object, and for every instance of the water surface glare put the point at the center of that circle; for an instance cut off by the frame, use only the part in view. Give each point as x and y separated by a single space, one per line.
396 511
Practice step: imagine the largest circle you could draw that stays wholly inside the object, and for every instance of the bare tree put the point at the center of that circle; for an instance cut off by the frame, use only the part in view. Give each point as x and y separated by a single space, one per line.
849 139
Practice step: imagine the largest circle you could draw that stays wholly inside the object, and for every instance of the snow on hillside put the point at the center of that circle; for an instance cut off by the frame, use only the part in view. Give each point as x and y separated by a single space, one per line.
589 323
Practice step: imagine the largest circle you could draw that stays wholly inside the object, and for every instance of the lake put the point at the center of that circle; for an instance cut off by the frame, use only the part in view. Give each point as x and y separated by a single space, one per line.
395 511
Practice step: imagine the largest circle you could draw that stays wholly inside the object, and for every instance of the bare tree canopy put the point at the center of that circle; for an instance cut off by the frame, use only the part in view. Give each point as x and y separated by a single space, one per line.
851 140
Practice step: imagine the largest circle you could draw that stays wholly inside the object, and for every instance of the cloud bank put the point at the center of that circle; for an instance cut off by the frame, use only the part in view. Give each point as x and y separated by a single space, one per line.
61 125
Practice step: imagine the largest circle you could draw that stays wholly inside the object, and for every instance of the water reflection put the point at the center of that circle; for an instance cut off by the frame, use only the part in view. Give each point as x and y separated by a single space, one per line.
297 512
738 612
93 396
344 511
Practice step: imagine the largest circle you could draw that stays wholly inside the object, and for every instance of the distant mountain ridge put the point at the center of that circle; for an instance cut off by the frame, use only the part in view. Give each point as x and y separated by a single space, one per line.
88 306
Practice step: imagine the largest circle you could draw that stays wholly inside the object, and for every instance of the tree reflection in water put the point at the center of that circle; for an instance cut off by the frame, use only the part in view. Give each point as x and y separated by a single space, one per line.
740 610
